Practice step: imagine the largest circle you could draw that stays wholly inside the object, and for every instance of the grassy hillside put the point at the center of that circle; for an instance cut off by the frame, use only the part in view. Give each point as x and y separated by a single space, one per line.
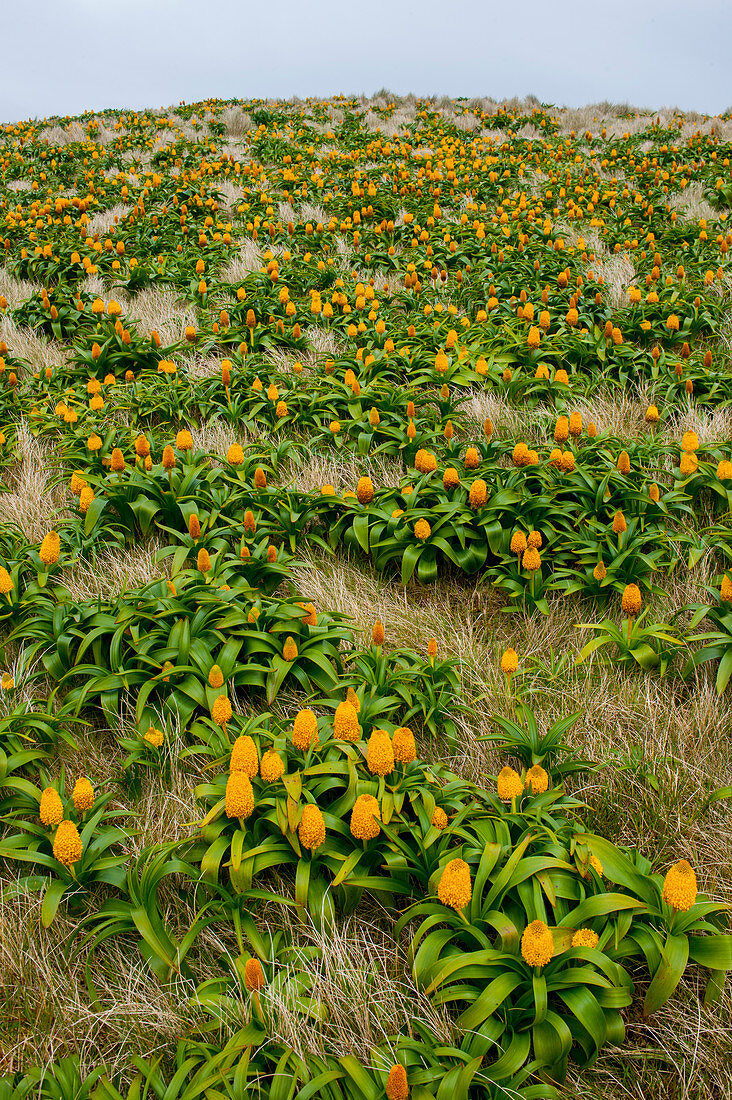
366 602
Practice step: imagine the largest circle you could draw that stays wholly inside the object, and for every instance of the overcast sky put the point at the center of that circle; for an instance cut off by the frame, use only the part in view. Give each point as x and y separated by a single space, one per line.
65 56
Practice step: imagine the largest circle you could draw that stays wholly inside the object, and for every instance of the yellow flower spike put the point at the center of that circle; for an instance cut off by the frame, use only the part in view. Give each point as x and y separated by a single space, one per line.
439 818
509 784
679 886
631 600
305 730
537 944
272 766
221 711
531 560
51 810
380 753
365 818
83 795
117 462
478 495
353 699
6 582
50 549
345 722
239 799
403 745
536 780
289 650
509 662
450 478
67 847
311 829
244 757
455 887
585 937
154 736
365 490
397 1086
235 454
425 462
203 561
254 980
422 530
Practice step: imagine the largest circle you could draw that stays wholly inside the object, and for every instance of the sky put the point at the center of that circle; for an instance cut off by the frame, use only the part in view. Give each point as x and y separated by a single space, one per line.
66 58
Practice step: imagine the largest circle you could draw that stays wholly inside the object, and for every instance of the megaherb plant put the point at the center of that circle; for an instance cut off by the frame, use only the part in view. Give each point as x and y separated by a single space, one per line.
252 329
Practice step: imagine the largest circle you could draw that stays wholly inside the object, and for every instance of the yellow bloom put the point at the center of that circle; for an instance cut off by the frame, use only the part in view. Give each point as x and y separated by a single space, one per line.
345 722
239 801
654 492
422 530
221 711
403 744
203 561
679 886
117 461
690 441
353 699
575 424
509 785
624 462
537 944
377 634
439 818
67 844
254 979
518 542
365 490
6 583
531 560
450 478
688 463
272 767
235 455
537 779
599 572
184 440
509 662
561 431
154 737
619 524
652 414
244 757
380 753
310 618
51 810
585 937
478 493
397 1087
289 649
724 470
425 462
83 795
50 549
86 499
305 730
455 888
631 601
311 829
216 677
365 818
725 591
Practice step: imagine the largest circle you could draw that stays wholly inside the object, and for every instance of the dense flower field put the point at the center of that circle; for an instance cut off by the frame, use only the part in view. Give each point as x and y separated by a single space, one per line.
205 312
